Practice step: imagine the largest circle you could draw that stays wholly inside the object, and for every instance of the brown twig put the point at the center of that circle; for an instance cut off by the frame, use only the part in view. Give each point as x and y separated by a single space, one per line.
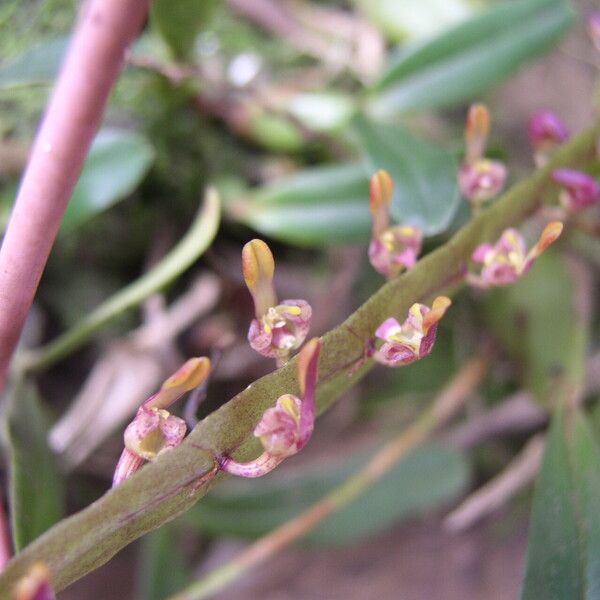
93 63
521 471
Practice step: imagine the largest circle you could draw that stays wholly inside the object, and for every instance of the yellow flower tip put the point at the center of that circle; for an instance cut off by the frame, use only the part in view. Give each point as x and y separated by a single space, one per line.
289 403
307 362
478 121
190 375
438 310
381 190
550 234
258 264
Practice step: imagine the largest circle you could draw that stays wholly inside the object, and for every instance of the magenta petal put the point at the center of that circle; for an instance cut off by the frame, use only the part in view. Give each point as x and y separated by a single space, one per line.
480 252
393 354
428 341
259 339
387 328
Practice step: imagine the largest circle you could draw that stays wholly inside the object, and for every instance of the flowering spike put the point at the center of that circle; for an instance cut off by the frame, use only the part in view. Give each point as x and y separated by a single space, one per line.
579 190
154 430
508 260
395 248
35 585
414 339
190 375
258 266
286 427
477 131
381 191
278 328
546 133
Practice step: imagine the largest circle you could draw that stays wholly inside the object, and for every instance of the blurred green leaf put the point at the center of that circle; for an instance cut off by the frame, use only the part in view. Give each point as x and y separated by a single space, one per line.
325 111
37 66
117 163
180 22
564 541
36 484
464 61
546 337
316 207
425 190
162 570
428 477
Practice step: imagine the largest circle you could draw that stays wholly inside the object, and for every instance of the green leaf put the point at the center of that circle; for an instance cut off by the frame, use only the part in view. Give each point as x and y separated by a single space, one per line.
116 164
180 22
520 315
37 66
250 509
36 484
563 559
464 61
425 185
316 207
162 569
173 483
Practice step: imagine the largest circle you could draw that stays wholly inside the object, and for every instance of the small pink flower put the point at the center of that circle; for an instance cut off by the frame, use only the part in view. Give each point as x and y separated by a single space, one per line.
287 427
414 339
508 260
479 178
392 248
154 430
278 329
546 133
35 585
482 180
579 190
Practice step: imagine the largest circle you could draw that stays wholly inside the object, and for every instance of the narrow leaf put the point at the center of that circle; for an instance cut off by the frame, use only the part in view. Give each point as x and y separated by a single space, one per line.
425 190
116 164
180 22
37 66
316 207
36 484
563 559
464 61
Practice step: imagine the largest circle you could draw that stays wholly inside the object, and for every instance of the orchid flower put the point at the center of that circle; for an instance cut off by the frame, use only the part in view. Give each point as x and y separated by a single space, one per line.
392 248
287 427
414 339
546 132
154 430
508 260
278 328
479 178
579 190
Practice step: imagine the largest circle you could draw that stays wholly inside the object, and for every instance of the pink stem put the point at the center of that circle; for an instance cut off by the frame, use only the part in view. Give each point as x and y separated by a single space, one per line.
93 63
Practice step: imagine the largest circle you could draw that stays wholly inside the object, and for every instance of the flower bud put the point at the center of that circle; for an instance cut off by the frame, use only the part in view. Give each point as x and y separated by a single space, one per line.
477 131
546 133
392 249
579 190
414 339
